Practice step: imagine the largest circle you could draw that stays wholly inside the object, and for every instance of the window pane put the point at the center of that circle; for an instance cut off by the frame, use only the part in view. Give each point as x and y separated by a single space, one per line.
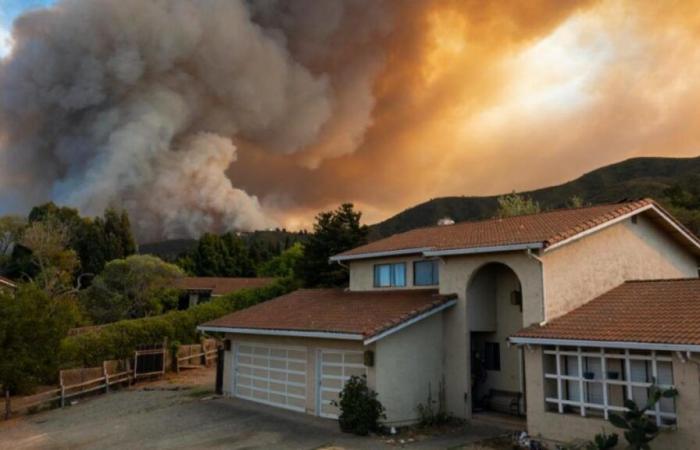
665 373
640 371
382 275
399 274
425 273
493 356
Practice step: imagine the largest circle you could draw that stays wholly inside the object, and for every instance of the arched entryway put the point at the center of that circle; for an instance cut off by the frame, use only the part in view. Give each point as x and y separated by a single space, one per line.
494 312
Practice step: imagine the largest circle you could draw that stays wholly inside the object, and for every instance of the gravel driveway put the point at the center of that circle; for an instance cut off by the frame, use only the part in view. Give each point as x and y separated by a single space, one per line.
192 418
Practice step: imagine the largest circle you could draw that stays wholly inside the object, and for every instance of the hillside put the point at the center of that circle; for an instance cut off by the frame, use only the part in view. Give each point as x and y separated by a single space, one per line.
675 182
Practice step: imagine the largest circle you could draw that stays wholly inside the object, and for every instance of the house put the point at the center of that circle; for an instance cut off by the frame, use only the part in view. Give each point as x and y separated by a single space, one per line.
463 310
6 283
202 289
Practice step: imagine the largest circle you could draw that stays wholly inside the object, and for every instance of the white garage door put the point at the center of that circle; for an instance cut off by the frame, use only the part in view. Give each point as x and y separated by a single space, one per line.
272 375
335 367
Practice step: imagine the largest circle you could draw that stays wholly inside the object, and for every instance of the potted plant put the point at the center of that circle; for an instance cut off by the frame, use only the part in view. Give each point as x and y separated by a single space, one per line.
613 375
588 375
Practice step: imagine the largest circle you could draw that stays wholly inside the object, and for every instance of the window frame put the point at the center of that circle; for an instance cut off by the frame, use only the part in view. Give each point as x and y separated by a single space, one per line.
435 279
392 275
625 380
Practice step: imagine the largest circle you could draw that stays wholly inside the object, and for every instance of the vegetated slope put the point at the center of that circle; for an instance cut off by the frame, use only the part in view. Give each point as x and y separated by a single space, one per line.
675 182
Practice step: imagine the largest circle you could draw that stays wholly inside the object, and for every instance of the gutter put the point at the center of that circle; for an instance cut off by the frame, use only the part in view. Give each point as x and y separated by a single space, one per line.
407 251
491 249
606 344
288 333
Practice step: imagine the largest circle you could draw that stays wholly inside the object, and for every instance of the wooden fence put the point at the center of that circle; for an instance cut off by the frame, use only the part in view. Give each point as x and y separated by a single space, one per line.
74 383
196 356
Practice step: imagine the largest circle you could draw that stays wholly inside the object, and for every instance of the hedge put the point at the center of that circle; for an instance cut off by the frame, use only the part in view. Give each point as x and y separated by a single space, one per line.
118 340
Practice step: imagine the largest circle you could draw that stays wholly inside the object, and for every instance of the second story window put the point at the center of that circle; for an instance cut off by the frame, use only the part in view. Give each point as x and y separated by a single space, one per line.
425 273
390 275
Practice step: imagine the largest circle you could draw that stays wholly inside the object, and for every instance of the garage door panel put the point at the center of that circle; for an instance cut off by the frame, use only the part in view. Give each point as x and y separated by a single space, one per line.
271 375
336 367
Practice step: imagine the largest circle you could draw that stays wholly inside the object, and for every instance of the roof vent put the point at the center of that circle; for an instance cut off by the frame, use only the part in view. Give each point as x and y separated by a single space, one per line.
445 221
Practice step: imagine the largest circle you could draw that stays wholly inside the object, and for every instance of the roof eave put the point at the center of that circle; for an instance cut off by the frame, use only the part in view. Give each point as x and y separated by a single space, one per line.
486 249
283 333
369 255
630 345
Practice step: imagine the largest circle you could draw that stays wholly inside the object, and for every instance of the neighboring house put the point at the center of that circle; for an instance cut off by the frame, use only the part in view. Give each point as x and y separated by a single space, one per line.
474 285
202 289
6 283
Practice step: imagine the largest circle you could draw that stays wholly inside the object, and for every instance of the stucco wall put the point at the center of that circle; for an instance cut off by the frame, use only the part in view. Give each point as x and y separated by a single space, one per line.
362 273
456 272
311 344
409 363
584 269
567 427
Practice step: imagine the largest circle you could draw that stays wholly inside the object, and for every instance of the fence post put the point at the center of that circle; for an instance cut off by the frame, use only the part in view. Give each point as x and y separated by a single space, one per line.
8 406
63 395
106 375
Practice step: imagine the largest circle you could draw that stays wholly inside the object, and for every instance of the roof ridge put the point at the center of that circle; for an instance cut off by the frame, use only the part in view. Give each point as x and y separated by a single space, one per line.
550 211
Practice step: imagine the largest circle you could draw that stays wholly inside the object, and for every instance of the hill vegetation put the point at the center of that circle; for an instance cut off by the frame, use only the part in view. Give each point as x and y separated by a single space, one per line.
675 182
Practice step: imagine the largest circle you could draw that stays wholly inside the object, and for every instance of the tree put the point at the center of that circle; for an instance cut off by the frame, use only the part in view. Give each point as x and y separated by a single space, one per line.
219 256
53 261
516 205
334 232
575 201
95 240
32 325
137 286
11 229
283 265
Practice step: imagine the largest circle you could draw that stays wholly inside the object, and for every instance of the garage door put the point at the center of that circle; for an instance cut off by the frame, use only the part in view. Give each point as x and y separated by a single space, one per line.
335 368
272 375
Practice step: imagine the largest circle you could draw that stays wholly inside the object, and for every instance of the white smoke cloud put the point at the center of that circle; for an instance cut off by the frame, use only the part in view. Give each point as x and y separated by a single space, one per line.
139 103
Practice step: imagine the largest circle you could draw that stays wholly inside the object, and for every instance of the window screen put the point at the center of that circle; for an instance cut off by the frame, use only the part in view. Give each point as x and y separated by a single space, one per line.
425 273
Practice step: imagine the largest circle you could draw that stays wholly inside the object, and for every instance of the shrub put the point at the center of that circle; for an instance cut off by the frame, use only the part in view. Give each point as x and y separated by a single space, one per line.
119 339
360 411
640 428
431 416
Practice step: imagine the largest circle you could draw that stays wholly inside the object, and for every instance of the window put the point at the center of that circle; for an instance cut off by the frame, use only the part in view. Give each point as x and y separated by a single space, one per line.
390 275
592 382
492 356
425 273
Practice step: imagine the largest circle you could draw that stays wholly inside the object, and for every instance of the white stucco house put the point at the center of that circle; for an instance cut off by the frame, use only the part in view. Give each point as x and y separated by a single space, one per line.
541 315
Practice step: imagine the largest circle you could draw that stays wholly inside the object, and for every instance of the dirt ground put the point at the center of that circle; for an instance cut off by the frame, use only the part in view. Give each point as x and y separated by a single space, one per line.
180 411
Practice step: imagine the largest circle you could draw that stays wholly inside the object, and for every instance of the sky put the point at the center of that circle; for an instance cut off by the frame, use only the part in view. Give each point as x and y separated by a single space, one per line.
9 10
413 100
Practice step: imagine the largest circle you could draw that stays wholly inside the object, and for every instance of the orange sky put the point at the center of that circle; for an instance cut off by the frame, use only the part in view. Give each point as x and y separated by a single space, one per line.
480 98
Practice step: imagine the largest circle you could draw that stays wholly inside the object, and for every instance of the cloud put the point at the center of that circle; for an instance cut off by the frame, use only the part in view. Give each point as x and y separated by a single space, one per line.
5 42
241 115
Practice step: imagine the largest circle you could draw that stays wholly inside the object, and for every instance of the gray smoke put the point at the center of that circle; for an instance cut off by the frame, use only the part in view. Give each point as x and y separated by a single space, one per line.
140 103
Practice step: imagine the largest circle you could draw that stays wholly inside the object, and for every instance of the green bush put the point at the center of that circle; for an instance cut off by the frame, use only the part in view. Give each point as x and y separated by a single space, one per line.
119 339
360 411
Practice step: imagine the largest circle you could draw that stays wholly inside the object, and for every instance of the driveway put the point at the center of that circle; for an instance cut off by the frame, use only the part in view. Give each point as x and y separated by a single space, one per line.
192 418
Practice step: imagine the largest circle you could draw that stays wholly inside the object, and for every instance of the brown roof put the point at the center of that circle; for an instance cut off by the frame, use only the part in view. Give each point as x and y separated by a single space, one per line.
546 228
335 310
221 285
654 311
7 282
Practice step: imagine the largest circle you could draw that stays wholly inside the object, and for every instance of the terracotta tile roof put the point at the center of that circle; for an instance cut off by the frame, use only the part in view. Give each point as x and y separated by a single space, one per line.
7 282
221 285
654 311
546 228
335 310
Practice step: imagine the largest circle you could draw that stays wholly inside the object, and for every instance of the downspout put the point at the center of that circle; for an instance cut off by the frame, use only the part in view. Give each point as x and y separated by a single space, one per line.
530 254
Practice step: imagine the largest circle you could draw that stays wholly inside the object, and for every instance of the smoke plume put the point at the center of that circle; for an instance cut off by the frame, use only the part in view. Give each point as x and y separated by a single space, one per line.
140 103
226 114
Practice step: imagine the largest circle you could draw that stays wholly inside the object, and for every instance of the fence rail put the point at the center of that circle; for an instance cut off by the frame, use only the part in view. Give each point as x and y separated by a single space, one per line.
147 362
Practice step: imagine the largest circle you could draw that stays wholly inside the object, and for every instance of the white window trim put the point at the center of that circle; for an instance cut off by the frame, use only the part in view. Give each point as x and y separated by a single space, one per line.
627 383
